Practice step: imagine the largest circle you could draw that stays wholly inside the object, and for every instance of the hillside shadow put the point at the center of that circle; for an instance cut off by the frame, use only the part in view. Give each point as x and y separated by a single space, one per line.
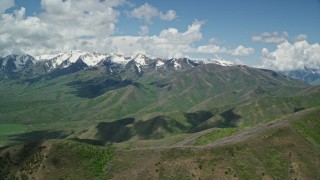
155 128
230 119
116 131
90 141
159 84
36 136
94 88
297 109
158 127
197 118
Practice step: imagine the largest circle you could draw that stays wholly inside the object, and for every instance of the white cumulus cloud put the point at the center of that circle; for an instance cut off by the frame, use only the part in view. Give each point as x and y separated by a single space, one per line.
271 38
169 16
301 37
212 48
169 43
215 41
242 51
216 49
147 12
63 25
294 56
5 4
76 24
191 35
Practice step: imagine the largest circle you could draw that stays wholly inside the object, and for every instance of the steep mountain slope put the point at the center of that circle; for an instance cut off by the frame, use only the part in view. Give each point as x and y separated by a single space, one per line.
211 85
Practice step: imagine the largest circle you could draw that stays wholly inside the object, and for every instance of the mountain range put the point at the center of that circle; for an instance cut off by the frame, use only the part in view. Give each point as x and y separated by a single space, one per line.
156 84
80 115
12 65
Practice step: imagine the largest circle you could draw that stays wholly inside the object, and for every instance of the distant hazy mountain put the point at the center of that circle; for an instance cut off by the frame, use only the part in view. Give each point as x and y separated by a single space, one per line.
308 75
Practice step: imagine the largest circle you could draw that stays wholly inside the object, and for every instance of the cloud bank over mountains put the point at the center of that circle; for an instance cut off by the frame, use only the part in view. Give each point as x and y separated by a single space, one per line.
292 56
296 55
75 24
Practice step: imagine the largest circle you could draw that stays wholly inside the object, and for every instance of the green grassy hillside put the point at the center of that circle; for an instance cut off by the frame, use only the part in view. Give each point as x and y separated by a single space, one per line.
160 125
280 149
209 121
160 105
96 95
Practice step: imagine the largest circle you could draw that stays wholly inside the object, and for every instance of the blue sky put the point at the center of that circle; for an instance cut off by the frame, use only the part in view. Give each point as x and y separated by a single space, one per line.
276 34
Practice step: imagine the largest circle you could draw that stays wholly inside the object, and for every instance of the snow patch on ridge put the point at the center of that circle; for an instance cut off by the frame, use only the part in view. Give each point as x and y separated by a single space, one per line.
92 59
117 58
176 65
21 61
159 63
140 59
215 61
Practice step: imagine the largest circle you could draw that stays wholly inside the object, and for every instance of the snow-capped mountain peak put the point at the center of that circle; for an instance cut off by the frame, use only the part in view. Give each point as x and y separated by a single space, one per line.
223 62
176 65
78 60
140 59
159 63
67 58
71 57
16 62
23 61
92 59
118 58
